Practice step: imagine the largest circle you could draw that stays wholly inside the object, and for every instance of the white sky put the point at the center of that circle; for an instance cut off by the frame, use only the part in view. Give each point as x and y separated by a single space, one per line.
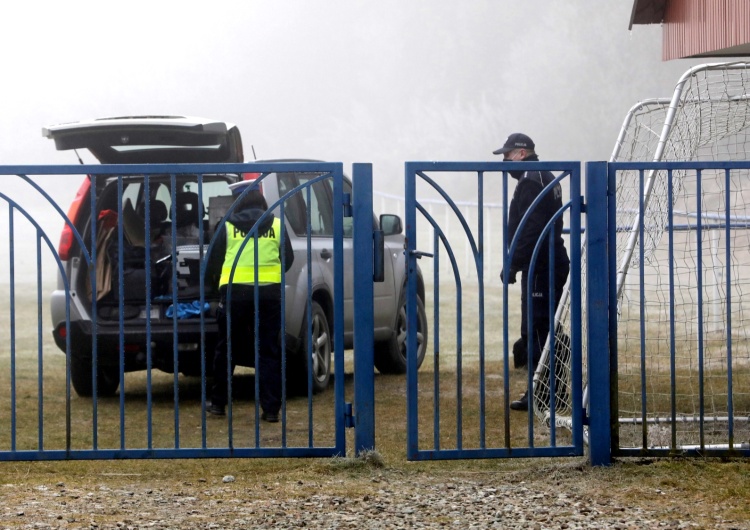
383 81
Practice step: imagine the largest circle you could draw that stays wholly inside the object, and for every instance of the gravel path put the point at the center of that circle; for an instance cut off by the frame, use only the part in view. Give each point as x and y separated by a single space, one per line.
374 500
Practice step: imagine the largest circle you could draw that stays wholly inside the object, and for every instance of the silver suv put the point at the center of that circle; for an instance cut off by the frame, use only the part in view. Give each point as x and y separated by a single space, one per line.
176 221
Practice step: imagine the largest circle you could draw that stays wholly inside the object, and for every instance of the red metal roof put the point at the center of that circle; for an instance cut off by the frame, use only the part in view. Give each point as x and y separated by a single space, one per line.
698 28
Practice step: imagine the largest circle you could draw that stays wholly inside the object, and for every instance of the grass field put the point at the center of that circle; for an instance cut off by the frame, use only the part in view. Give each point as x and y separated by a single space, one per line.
697 488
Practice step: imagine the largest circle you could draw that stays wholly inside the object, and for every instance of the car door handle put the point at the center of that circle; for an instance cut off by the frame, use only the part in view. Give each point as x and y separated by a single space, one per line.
325 254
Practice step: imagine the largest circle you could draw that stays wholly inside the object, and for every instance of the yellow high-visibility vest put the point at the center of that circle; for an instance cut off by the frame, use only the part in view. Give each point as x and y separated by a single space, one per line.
269 264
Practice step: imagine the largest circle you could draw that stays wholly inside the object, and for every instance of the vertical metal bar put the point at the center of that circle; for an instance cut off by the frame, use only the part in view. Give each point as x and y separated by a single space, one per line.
552 374
175 300
149 359
575 304
175 323
68 411
364 380
506 357
338 309
613 290
309 361
121 370
202 316
598 273
490 242
175 337
412 393
531 338
728 290
94 311
12 279
40 345
120 301
284 235
467 246
672 336
256 334
436 338
230 345
459 367
642 298
699 272
480 280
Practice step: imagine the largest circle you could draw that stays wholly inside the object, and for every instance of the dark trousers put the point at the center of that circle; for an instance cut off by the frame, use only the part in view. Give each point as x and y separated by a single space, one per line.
242 329
540 308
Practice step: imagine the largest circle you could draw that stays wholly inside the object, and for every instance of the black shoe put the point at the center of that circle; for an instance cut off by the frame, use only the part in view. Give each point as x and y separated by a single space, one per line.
520 357
270 417
522 403
215 409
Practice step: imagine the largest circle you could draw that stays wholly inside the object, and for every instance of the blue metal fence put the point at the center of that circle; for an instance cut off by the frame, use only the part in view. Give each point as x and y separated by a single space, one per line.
677 285
641 390
171 325
461 407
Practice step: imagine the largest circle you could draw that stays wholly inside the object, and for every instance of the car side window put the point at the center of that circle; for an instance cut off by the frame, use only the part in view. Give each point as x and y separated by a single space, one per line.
321 211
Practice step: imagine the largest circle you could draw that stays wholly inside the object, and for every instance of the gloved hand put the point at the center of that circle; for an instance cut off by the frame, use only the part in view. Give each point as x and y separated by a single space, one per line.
511 277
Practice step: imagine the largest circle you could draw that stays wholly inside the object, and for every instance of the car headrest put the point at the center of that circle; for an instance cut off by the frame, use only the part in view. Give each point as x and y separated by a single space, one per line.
187 209
158 212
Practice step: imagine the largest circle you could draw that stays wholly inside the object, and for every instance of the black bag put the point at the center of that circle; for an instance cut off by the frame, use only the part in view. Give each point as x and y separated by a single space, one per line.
134 274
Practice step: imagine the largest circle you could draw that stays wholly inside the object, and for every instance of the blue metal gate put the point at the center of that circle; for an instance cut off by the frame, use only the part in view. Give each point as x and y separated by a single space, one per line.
459 404
669 322
143 347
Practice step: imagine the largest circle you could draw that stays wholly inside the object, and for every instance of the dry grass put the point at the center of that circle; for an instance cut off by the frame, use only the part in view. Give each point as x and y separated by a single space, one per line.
694 488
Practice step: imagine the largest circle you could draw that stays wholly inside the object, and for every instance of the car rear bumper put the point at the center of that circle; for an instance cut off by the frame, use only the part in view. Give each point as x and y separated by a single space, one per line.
135 338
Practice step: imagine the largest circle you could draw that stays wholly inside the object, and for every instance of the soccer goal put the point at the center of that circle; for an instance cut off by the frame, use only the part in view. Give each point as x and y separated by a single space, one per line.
697 303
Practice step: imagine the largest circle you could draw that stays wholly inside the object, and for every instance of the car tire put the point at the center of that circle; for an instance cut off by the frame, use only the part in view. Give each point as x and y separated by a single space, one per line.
320 356
107 382
390 355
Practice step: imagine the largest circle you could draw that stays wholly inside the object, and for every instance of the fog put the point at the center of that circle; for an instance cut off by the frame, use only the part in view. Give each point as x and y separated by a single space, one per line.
339 80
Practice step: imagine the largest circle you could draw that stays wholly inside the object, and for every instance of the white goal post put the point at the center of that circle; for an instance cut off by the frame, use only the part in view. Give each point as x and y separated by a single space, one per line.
660 307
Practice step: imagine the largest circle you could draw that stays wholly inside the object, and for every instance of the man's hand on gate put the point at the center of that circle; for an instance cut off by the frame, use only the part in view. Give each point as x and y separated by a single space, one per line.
511 277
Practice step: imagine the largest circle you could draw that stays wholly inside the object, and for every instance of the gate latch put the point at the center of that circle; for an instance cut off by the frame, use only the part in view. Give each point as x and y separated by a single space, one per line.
348 416
419 254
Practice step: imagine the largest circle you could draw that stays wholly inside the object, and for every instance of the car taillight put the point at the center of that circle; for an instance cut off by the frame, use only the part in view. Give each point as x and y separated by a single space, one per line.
67 239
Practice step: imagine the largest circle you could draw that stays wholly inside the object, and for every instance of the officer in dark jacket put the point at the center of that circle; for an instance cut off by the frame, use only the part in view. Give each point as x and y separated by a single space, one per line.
257 265
519 147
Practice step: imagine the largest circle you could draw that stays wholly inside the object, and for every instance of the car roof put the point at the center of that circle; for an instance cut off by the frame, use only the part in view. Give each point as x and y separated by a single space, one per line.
151 139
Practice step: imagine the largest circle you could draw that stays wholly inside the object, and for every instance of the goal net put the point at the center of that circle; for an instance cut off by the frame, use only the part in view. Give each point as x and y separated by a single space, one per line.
682 321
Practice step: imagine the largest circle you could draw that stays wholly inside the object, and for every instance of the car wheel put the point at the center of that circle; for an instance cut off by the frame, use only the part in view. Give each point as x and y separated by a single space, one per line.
319 358
107 381
390 355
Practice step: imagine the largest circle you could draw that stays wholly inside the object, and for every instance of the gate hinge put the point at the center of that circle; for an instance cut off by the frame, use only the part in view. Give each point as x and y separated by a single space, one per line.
347 204
585 417
583 205
348 416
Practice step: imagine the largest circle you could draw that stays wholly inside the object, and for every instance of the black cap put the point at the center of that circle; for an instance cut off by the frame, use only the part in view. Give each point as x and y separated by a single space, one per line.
515 141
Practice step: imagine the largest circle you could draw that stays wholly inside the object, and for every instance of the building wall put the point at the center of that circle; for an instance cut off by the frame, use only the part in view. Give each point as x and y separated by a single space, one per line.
694 27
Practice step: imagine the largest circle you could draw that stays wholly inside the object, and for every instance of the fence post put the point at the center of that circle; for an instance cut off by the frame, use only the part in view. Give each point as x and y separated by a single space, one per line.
364 319
597 312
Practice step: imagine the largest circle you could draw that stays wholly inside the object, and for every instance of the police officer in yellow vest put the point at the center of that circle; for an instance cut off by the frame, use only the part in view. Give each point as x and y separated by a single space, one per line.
266 236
